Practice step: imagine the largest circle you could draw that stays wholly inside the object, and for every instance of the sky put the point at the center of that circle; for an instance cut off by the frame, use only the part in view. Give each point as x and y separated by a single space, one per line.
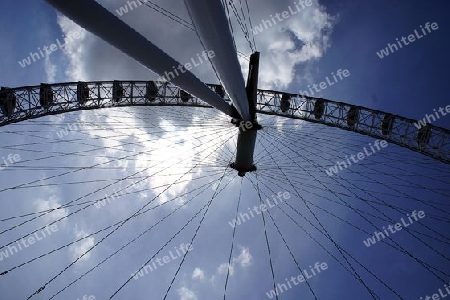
296 53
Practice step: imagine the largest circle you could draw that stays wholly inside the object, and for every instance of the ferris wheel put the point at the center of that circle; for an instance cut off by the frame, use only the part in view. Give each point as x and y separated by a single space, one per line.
180 190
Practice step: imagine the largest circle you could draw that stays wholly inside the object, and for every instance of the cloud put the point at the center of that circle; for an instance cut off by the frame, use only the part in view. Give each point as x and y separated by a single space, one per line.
223 268
244 259
75 49
51 203
198 274
81 247
299 40
50 69
186 294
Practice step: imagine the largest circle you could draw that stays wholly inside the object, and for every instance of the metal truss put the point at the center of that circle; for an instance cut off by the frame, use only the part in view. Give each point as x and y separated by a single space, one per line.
22 103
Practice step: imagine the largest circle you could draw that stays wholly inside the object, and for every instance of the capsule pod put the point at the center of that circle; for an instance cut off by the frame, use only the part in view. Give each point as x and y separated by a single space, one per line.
152 91
45 95
424 134
285 103
7 101
386 125
219 91
82 92
185 96
319 109
118 91
352 116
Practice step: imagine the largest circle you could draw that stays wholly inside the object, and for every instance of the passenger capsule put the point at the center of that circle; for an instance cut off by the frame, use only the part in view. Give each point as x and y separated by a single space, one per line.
7 101
152 91
118 91
185 96
352 116
285 103
82 92
46 94
386 125
319 109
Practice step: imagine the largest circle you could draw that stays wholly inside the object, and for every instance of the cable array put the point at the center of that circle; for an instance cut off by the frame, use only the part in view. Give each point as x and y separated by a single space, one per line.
192 195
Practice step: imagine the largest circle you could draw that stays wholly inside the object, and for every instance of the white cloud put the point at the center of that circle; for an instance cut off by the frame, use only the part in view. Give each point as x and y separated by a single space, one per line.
305 39
198 274
79 248
186 294
51 203
245 258
75 48
50 69
223 268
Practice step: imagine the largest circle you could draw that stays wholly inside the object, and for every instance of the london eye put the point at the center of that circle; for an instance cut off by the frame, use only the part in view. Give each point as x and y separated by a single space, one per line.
170 188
